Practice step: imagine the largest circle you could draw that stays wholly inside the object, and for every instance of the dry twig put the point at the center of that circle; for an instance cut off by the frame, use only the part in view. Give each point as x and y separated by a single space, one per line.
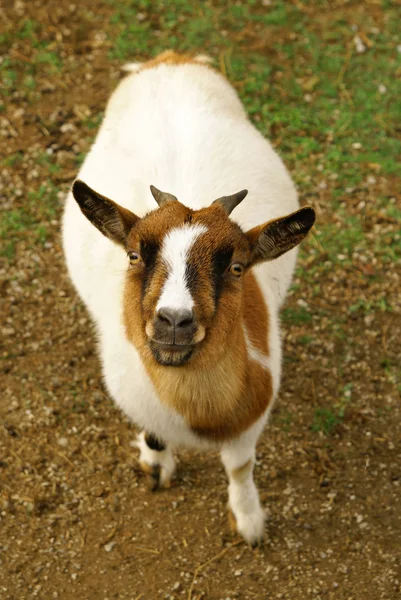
207 563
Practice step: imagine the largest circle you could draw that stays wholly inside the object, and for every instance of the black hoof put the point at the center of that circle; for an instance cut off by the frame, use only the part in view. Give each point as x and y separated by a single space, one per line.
154 478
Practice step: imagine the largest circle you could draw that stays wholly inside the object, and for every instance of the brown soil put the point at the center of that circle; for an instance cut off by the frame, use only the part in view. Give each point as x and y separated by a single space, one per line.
76 519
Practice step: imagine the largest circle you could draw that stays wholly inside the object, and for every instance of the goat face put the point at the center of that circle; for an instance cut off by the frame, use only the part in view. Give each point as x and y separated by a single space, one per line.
187 267
183 290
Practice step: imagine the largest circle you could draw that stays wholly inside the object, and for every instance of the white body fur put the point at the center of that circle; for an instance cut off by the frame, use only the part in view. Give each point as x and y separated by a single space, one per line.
183 129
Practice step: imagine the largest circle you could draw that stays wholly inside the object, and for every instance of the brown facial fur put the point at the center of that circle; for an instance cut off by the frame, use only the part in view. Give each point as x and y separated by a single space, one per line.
220 392
169 57
221 233
219 402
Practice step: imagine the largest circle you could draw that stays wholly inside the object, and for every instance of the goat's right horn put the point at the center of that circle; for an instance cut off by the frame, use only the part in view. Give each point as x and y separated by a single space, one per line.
161 197
230 202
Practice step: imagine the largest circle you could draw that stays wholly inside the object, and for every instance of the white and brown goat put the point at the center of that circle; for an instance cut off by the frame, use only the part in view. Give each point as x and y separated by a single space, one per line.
184 298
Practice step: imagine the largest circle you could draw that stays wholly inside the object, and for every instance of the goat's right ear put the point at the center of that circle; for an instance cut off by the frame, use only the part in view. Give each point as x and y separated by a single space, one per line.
271 240
110 218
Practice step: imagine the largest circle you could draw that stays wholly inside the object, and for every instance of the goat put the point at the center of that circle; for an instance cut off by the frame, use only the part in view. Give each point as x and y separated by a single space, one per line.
188 330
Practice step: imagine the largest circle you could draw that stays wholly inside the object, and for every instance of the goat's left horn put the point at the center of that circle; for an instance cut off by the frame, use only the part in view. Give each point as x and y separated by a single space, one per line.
230 202
161 197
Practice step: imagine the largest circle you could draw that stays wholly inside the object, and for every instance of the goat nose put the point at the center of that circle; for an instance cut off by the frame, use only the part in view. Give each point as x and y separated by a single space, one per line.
176 318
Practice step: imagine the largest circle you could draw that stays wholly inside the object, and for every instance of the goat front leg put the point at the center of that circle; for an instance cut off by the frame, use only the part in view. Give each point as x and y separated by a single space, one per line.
243 497
156 460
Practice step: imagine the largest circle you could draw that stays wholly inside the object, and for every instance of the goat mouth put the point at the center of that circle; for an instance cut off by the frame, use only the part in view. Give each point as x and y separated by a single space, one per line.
172 347
171 355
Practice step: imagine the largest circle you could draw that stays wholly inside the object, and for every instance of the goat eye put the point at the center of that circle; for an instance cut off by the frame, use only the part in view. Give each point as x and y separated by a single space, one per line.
134 258
236 269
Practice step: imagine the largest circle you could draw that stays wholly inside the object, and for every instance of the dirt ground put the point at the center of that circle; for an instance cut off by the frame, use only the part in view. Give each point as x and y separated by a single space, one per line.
76 518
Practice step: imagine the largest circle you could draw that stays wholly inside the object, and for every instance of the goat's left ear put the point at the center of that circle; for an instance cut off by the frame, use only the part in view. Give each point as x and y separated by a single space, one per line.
113 220
271 240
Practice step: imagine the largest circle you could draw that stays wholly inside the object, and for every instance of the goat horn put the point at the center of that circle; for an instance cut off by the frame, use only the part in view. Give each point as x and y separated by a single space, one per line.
230 202
161 197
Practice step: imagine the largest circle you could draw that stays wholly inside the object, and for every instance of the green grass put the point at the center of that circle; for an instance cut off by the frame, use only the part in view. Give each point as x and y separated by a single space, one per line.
296 316
305 340
348 235
370 305
45 160
12 159
327 418
17 73
301 80
308 89
285 419
32 221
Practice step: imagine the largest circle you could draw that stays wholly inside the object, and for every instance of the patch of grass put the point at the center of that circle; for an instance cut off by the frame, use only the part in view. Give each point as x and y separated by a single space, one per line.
29 82
42 234
13 221
46 160
42 202
370 305
93 121
326 419
28 30
12 160
296 316
132 36
8 78
79 158
30 221
8 250
305 340
391 369
341 240
285 421
19 74
318 112
47 57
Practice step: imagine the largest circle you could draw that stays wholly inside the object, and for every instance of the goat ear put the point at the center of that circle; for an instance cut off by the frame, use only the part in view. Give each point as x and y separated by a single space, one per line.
110 218
271 240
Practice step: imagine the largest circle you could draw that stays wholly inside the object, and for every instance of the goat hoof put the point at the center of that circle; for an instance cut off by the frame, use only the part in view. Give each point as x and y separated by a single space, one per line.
232 521
250 527
154 478
152 475
158 465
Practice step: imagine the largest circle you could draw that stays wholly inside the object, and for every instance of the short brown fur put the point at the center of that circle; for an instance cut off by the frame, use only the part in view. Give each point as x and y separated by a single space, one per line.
169 57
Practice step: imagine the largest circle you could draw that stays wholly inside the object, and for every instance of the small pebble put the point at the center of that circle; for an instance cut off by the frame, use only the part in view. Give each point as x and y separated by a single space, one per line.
359 45
109 547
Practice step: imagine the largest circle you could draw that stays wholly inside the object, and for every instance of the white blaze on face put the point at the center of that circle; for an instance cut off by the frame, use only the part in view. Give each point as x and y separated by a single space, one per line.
175 250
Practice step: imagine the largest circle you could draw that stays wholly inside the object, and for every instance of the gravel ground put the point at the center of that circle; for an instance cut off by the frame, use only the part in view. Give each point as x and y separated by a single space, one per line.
76 518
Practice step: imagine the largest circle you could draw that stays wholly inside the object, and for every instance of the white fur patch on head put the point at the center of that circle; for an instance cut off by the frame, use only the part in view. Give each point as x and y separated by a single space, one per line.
176 246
